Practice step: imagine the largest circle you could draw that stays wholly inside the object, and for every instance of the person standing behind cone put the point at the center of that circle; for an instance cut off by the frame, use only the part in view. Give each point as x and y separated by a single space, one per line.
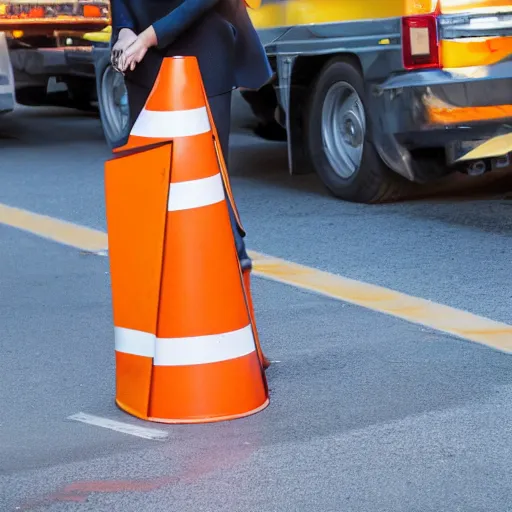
220 34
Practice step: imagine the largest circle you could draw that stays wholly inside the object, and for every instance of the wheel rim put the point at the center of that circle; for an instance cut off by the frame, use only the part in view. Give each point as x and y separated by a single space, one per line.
114 99
343 129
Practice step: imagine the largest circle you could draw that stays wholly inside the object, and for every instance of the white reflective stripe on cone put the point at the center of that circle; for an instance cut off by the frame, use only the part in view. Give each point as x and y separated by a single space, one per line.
186 195
170 124
204 349
137 343
213 348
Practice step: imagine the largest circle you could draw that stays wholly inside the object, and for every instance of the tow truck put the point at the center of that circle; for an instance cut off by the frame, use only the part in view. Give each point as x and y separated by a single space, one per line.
36 37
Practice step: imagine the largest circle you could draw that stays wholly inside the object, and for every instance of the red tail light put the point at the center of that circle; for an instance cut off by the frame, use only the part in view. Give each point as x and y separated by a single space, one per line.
420 42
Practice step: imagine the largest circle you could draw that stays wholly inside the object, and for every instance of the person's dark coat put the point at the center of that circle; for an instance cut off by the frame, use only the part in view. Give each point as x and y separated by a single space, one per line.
218 32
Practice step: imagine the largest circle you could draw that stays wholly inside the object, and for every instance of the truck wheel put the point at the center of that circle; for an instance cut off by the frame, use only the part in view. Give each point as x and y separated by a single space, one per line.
337 128
112 101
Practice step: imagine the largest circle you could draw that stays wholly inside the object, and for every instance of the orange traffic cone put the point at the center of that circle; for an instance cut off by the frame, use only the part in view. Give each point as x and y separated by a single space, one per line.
185 340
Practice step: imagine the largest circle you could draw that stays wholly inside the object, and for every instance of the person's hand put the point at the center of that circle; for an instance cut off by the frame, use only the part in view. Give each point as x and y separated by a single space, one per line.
138 49
125 39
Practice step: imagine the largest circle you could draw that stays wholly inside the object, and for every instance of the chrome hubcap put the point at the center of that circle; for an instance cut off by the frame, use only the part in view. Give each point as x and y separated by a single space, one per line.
343 129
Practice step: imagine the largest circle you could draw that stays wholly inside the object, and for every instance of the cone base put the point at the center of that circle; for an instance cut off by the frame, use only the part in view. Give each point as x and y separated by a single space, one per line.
211 419
130 410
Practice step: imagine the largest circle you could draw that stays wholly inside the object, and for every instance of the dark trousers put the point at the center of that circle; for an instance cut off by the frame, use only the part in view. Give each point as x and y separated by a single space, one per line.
220 107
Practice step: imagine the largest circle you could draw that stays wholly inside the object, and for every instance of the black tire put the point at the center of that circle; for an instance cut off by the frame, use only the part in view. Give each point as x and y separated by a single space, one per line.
372 181
114 132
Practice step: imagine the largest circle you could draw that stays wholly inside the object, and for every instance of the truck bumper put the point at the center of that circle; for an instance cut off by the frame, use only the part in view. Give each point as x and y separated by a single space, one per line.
33 66
459 110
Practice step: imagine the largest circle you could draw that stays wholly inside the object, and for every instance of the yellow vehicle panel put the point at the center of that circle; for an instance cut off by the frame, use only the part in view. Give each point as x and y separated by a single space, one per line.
475 51
274 13
278 13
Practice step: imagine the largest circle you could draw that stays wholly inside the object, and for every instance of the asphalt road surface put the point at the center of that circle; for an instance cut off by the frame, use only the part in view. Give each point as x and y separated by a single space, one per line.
369 413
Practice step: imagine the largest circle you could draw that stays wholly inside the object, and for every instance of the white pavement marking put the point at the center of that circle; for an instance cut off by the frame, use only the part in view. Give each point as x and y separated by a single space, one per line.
125 428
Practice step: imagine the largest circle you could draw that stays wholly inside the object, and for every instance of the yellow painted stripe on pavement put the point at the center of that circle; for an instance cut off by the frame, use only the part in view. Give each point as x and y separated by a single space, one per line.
462 324
413 309
67 233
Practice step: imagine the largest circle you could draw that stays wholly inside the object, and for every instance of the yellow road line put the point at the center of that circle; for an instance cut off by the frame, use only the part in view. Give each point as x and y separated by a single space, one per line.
67 233
462 324
443 318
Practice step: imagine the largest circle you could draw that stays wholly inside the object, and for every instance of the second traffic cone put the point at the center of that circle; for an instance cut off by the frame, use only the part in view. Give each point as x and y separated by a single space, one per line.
205 364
